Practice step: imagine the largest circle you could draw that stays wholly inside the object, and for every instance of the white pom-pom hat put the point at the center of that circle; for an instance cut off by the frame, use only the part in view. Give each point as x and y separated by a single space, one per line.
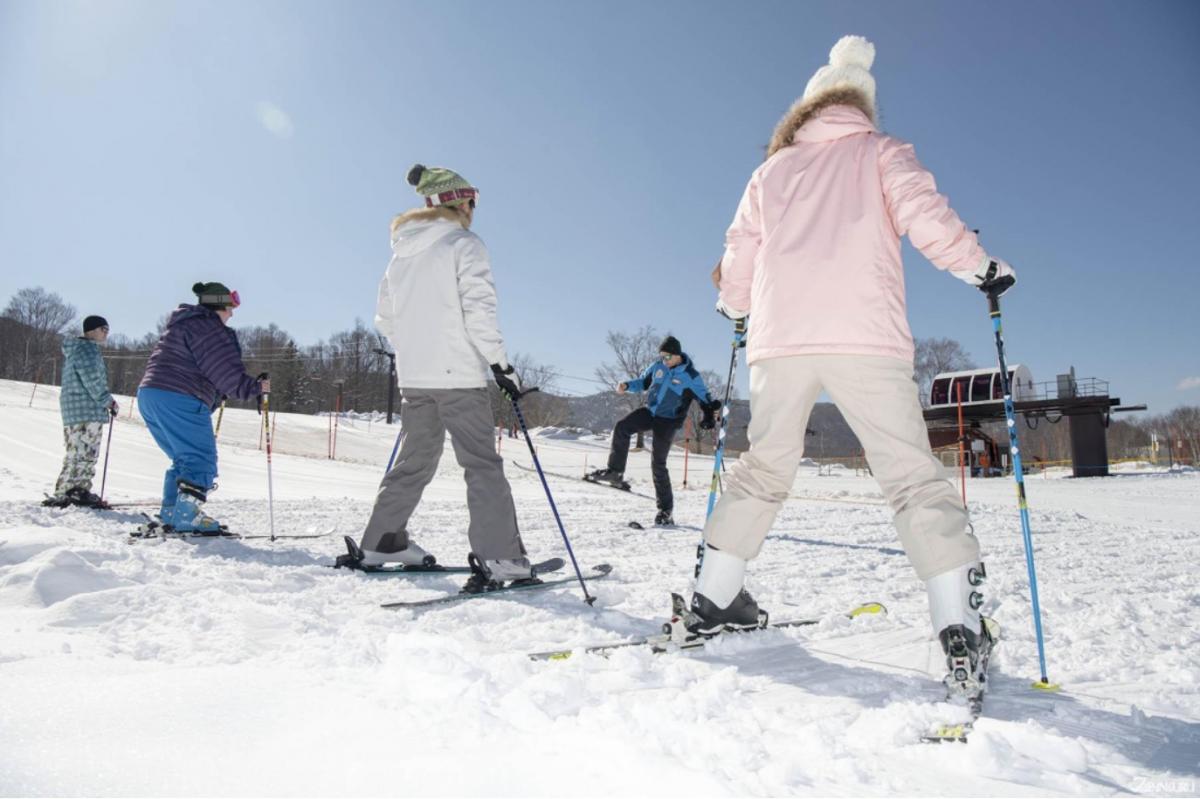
849 67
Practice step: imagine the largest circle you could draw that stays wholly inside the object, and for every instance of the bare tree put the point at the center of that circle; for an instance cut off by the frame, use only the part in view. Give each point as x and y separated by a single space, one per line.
1183 424
540 408
41 317
937 355
633 353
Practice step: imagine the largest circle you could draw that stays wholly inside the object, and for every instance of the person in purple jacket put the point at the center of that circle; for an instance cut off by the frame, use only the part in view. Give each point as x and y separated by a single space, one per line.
196 362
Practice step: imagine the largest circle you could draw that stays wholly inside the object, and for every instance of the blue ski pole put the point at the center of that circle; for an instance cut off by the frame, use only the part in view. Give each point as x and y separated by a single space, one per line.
524 429
739 341
395 449
994 288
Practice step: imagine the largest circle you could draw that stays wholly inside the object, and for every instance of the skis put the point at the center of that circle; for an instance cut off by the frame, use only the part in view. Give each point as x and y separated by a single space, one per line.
353 559
626 489
621 486
154 530
554 564
66 502
636 525
676 638
959 732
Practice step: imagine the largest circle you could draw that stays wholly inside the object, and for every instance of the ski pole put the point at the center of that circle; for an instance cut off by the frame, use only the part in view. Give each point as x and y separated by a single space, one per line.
395 449
739 341
112 422
266 412
525 429
220 416
993 288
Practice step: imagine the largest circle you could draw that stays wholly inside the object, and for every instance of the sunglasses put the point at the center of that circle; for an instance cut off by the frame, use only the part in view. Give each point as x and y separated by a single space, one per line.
441 198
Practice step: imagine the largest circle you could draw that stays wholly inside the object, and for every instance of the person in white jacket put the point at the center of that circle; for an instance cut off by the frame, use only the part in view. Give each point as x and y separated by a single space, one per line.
437 308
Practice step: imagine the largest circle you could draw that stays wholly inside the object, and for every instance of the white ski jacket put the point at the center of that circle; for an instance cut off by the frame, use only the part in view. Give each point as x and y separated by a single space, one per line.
437 304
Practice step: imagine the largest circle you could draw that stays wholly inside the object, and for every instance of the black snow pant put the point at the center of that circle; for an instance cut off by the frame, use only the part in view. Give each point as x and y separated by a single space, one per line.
664 430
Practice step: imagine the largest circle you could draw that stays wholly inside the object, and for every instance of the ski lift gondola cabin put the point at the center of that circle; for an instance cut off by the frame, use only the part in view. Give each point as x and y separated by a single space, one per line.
980 386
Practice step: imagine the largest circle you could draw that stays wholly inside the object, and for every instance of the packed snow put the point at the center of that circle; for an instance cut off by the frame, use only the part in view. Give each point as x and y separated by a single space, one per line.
243 667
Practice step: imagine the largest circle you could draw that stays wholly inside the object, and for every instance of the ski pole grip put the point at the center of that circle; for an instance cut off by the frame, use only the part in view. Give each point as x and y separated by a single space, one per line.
994 288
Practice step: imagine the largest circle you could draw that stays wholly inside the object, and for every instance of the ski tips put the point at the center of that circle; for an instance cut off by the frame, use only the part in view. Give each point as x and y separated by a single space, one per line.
948 733
877 608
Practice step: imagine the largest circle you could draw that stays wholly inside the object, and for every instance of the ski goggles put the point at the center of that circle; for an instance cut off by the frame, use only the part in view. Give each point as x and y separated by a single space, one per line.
452 196
230 300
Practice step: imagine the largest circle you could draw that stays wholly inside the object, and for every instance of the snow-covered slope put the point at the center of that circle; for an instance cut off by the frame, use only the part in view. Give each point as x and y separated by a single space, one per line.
246 667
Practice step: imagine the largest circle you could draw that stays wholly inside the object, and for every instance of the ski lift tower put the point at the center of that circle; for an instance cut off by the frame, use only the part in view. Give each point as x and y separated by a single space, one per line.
1085 402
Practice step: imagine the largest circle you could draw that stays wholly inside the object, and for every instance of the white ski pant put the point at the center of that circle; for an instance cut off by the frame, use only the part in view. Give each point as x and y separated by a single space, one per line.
878 398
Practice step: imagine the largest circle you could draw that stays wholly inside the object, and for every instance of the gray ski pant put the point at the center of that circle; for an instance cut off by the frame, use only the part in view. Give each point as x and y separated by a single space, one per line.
878 398
426 415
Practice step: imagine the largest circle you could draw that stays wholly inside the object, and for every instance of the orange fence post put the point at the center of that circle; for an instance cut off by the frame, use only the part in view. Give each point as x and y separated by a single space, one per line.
962 466
687 441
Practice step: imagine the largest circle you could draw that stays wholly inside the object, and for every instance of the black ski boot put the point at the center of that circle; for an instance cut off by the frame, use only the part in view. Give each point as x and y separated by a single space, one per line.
706 619
664 519
86 499
608 477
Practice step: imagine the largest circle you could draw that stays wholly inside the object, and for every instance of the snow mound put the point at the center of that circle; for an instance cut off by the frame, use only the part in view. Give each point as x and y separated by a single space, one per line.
54 576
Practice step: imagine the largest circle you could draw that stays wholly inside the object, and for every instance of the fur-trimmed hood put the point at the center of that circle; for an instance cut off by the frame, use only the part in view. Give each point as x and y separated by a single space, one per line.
426 215
802 111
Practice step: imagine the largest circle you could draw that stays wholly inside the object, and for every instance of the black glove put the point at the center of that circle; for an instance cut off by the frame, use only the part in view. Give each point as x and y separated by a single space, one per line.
509 382
260 378
710 415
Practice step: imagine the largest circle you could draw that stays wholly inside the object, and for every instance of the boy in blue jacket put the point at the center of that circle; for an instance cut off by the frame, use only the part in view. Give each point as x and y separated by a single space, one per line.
86 405
670 383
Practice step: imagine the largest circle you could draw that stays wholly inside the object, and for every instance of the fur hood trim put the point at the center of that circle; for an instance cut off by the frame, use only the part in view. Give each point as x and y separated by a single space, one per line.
804 110
427 215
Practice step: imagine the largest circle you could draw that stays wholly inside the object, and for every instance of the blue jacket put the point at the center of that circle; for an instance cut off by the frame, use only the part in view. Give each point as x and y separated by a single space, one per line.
671 390
84 397
199 356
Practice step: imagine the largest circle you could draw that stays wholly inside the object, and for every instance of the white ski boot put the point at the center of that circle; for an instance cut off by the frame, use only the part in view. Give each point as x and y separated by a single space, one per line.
954 602
389 552
488 575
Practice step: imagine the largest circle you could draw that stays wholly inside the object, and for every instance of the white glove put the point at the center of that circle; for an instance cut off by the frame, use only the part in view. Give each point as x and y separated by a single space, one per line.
980 275
730 313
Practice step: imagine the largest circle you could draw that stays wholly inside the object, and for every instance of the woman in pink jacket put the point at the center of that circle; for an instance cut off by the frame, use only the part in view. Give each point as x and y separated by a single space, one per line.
813 255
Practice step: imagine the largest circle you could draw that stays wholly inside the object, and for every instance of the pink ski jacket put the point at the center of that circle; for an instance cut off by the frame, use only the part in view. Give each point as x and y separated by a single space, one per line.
813 254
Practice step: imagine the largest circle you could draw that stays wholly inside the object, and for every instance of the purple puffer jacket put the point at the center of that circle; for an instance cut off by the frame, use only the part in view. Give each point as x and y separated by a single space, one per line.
199 356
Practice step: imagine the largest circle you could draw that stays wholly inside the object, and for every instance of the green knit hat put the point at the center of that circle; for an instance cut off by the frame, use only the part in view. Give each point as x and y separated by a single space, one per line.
440 186
216 295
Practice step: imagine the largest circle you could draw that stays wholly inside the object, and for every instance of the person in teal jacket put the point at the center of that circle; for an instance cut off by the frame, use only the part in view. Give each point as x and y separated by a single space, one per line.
86 405
670 383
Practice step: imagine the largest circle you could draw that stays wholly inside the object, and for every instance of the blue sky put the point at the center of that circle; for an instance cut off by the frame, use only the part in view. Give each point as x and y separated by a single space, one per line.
147 145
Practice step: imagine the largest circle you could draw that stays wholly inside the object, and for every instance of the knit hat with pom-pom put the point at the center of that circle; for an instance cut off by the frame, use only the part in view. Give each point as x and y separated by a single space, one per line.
440 186
848 68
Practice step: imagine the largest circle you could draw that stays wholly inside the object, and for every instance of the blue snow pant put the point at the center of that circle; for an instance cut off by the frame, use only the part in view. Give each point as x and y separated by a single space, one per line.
182 427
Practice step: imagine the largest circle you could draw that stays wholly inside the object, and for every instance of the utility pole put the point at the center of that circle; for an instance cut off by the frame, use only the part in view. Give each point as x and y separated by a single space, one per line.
391 356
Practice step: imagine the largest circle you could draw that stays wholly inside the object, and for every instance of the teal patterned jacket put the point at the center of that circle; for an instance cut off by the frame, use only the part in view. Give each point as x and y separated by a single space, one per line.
84 396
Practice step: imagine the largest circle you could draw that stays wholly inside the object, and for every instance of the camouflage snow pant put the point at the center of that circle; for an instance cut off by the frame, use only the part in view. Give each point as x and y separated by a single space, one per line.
79 465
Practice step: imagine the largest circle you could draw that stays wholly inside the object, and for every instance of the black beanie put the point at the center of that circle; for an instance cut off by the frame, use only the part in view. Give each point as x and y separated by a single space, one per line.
93 322
671 345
